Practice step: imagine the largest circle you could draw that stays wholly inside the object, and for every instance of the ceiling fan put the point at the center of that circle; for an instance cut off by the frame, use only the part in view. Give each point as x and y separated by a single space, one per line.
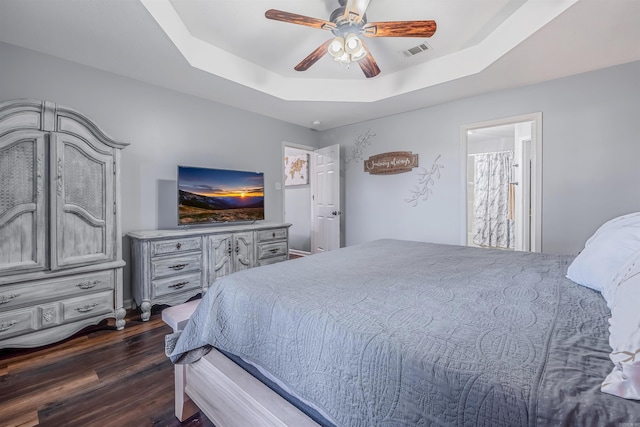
347 23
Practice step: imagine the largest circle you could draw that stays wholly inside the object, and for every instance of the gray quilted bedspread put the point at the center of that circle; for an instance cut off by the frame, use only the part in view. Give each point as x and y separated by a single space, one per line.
398 333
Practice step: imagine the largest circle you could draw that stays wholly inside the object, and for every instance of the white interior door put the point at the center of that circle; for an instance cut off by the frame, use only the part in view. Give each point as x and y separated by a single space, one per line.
325 199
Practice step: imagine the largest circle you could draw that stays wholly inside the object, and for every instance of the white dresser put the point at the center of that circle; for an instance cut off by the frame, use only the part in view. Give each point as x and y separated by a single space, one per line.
171 266
60 244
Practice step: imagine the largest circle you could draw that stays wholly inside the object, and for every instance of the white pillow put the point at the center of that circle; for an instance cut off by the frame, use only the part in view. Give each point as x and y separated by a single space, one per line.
624 339
608 255
628 219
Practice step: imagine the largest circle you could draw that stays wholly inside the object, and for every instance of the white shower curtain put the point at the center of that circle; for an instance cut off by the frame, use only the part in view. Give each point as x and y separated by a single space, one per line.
491 224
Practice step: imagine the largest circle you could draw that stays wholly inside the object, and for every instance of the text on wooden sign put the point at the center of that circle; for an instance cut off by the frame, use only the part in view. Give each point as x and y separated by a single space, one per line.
390 163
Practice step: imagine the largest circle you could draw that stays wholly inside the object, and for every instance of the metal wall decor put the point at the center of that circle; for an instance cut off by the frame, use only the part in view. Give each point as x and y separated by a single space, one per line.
355 153
426 180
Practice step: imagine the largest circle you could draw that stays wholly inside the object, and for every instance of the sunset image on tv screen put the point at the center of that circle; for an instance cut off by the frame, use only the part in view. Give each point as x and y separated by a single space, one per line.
219 195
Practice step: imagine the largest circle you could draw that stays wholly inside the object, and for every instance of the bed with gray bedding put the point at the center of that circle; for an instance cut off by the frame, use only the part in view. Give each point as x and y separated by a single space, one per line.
400 333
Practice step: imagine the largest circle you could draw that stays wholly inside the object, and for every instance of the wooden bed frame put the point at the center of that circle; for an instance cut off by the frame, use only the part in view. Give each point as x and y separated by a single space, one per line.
227 394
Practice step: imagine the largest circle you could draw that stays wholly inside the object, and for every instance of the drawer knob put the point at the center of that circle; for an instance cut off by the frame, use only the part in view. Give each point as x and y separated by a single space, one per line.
47 316
179 285
5 326
86 308
87 285
178 246
274 251
178 267
4 299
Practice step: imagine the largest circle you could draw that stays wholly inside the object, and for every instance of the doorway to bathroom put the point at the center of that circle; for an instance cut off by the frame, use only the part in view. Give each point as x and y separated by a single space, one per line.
502 177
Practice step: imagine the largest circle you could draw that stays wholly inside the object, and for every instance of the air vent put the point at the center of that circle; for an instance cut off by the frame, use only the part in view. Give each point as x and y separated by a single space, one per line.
422 47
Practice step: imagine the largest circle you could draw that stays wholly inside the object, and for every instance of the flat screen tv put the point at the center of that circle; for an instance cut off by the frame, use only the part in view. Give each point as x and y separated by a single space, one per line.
210 196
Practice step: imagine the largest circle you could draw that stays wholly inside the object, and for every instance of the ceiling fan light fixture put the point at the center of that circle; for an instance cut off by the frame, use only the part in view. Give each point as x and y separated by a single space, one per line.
347 49
345 58
336 48
352 44
357 56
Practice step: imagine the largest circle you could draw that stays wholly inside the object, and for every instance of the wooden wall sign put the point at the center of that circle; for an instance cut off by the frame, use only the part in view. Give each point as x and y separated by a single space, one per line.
390 163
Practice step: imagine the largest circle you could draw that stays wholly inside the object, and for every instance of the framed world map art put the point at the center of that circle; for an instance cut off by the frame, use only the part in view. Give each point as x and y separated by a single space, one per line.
296 170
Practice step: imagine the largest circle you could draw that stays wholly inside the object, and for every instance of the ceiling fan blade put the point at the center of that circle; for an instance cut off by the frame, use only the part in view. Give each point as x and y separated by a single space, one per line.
400 29
368 65
293 18
355 9
313 57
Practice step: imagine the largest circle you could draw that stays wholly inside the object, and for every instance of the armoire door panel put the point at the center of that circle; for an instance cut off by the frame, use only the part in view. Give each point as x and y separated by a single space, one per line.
82 200
22 202
82 241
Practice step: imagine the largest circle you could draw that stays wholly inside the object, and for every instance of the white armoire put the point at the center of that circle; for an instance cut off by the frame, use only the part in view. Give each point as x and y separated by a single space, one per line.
60 239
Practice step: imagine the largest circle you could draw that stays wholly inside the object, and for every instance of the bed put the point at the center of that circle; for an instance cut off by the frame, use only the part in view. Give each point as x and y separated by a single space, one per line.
402 333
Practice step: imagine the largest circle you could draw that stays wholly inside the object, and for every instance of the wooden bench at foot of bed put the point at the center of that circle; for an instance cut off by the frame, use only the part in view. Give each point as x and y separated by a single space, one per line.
227 394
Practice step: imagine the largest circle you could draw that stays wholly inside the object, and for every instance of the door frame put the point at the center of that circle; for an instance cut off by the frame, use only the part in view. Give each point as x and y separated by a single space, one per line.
312 162
311 150
536 173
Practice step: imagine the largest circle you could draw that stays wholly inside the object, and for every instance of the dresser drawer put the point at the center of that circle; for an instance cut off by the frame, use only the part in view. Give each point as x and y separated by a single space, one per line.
77 308
269 250
176 245
272 260
273 234
16 322
176 284
31 293
163 267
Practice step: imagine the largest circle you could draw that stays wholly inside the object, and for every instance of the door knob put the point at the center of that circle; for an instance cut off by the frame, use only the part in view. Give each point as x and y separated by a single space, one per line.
336 213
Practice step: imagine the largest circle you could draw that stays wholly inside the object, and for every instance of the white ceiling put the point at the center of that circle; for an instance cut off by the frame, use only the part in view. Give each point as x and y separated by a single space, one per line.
227 51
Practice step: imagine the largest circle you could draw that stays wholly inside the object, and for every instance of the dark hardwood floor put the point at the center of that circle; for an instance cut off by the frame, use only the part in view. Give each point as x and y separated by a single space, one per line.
99 377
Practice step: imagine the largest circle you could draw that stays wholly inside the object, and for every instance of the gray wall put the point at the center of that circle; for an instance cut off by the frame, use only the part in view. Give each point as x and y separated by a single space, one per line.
165 129
591 153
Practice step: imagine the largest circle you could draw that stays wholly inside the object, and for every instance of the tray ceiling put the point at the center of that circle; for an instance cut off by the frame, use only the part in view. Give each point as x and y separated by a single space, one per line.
228 52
